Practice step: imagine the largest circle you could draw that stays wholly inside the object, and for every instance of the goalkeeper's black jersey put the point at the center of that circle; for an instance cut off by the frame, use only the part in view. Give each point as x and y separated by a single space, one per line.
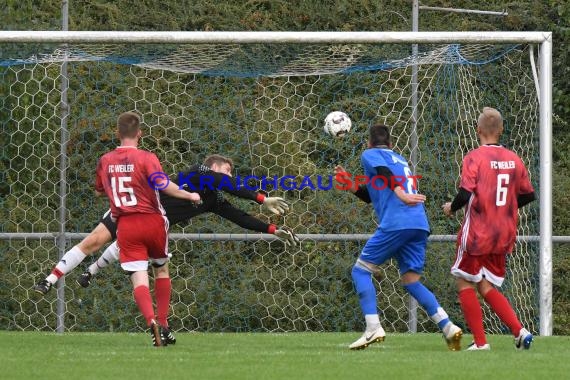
179 211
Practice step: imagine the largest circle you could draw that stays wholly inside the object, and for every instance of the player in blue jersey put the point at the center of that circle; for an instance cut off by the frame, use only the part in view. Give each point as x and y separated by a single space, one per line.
402 234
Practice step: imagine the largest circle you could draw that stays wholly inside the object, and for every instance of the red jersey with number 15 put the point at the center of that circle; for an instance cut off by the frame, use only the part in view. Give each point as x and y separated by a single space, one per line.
122 175
495 176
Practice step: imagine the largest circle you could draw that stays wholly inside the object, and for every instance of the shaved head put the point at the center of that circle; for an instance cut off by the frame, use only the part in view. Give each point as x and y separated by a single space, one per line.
490 123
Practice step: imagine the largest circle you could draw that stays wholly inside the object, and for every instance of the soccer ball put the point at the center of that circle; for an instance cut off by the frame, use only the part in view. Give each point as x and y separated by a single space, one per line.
337 124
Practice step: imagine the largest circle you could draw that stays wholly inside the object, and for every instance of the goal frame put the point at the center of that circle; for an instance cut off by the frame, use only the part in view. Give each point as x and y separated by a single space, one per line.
542 39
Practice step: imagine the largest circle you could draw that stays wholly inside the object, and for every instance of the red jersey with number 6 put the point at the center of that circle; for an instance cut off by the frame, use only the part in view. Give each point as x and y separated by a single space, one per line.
123 175
495 176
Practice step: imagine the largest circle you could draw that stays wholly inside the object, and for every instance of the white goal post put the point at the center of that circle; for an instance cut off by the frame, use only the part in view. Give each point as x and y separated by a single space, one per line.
542 39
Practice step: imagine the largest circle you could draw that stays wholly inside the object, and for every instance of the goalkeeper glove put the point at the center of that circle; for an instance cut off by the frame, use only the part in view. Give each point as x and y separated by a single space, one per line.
276 205
288 236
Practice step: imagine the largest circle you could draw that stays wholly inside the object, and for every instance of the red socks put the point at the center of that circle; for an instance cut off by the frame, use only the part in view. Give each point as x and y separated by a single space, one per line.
473 314
501 306
144 302
162 291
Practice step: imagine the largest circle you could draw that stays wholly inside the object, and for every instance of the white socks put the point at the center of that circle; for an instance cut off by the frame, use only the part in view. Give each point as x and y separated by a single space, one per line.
372 322
110 255
439 316
70 260
75 256
446 328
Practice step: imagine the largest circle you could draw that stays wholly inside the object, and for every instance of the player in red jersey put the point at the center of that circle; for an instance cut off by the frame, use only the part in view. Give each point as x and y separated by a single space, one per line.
125 176
178 211
215 167
494 185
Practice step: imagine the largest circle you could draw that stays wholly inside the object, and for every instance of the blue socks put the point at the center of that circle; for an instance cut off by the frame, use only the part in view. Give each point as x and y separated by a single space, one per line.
365 289
428 301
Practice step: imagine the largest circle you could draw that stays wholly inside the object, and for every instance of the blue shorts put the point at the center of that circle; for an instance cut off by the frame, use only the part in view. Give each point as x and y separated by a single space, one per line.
408 247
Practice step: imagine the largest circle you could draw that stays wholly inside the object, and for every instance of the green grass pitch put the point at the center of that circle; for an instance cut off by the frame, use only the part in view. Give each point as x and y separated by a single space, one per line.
35 355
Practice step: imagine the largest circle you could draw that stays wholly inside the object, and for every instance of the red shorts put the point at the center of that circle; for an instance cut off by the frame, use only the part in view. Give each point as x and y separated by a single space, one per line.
141 237
475 268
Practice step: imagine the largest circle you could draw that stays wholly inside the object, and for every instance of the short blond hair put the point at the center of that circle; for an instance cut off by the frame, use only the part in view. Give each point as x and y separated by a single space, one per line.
490 121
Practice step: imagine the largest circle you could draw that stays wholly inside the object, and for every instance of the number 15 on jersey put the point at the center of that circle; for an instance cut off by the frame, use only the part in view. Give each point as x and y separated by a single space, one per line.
120 185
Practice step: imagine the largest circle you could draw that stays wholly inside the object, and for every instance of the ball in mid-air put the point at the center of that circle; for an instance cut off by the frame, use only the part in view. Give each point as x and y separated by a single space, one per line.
337 124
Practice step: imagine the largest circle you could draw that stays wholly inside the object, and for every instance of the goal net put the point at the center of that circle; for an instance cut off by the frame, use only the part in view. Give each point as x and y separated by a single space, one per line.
262 104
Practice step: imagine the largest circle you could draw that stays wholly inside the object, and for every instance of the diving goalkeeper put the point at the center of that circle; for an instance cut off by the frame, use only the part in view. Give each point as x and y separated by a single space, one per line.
218 169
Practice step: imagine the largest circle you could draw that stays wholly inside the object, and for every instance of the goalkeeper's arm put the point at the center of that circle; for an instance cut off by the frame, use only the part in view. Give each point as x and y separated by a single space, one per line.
227 211
228 184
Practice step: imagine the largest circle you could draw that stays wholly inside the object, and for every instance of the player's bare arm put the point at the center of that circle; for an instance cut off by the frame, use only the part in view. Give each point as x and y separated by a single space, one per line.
361 192
447 210
175 192
458 202
340 170
409 199
446 207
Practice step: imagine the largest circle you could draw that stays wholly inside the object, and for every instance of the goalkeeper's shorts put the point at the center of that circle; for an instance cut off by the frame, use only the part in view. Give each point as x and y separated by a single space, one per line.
110 224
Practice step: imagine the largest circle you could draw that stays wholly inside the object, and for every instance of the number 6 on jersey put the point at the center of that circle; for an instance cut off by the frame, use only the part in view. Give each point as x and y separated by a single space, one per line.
502 180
